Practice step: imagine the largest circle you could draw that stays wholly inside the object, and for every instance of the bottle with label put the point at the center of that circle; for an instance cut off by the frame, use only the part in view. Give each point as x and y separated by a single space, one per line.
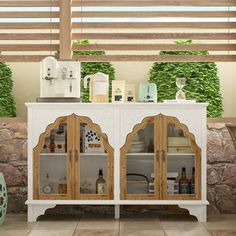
100 183
192 182
183 182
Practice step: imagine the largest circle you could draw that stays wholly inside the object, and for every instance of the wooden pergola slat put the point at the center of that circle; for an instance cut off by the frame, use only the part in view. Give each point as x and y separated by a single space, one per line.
152 14
147 36
29 36
107 58
111 34
159 25
29 14
108 3
29 25
148 47
29 47
43 3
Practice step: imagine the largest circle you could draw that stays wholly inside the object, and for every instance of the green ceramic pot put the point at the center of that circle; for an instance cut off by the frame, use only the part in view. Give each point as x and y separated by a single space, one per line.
3 198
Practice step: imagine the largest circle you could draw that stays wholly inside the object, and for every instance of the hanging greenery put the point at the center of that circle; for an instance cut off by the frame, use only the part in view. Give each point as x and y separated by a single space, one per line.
7 102
202 80
89 68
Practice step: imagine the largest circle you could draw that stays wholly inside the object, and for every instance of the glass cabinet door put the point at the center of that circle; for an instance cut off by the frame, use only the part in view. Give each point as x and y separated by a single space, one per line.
138 162
181 162
94 167
51 161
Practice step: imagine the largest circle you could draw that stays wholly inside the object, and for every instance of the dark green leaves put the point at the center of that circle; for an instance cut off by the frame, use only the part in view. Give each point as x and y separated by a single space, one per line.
7 103
202 81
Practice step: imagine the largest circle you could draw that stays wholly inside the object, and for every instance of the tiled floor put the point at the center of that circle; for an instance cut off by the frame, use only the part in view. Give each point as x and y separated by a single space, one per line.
16 225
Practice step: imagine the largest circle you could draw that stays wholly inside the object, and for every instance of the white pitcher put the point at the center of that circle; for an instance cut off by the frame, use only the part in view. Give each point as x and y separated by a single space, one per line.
98 87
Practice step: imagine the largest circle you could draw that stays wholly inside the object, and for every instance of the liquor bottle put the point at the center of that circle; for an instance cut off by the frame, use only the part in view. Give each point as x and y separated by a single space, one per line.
183 182
100 183
192 182
52 143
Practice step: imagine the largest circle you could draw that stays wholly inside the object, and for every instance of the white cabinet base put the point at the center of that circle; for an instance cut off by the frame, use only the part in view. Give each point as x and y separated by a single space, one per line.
199 211
34 211
38 207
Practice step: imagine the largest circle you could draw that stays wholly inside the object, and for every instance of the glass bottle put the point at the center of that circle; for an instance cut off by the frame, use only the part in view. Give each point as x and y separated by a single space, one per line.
183 182
100 183
150 146
192 182
52 143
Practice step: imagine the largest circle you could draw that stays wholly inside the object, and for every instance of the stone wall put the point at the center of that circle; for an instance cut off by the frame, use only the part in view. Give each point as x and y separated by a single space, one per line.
221 168
13 163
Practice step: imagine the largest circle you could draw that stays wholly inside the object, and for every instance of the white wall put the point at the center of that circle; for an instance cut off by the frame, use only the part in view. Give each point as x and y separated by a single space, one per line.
26 82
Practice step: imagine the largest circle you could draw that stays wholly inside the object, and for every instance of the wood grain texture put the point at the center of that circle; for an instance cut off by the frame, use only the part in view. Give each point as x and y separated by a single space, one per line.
207 58
144 47
29 47
164 25
152 14
36 155
43 3
29 36
65 30
210 36
22 58
29 14
123 163
110 166
29 25
197 160
156 3
164 58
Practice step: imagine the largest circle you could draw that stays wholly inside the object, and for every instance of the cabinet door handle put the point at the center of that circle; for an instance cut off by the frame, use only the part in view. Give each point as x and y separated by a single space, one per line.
157 155
70 155
76 155
163 155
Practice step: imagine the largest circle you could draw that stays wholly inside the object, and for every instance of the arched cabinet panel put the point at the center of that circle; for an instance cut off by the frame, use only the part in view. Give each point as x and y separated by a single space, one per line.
181 162
68 159
139 165
160 160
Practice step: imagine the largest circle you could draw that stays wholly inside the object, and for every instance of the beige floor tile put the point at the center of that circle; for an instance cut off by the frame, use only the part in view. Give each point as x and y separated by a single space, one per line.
142 224
14 232
16 226
51 232
187 232
179 225
55 225
98 224
223 232
21 217
221 222
139 232
97 232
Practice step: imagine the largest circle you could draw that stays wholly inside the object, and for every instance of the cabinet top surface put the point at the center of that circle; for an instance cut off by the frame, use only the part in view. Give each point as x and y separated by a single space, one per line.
116 105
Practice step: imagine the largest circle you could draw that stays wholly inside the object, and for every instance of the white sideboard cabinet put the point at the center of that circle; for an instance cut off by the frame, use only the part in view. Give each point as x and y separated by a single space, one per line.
140 151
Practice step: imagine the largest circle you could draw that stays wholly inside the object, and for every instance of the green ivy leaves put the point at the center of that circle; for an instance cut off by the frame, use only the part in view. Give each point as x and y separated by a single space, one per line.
7 103
202 81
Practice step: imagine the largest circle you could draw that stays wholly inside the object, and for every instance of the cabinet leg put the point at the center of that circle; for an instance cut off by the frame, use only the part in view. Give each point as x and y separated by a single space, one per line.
117 211
199 211
34 211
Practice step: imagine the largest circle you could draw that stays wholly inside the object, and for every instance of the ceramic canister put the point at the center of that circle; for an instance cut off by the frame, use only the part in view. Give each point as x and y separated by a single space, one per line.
3 198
